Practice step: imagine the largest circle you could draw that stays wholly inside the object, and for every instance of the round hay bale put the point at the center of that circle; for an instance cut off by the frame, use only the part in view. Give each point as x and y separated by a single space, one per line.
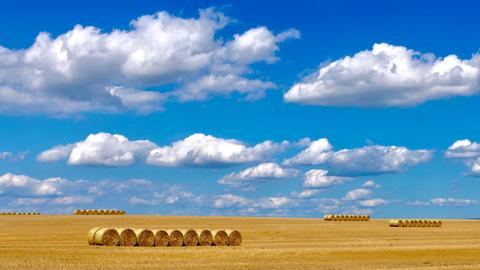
106 237
334 217
175 238
161 238
439 223
328 217
77 212
83 212
190 237
205 237
220 238
101 212
128 238
122 212
395 223
406 223
91 235
145 237
95 212
234 238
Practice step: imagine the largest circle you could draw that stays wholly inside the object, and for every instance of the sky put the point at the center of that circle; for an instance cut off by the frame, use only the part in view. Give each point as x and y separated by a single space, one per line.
241 108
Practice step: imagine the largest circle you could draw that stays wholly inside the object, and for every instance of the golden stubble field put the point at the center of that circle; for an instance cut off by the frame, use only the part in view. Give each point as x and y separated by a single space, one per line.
59 242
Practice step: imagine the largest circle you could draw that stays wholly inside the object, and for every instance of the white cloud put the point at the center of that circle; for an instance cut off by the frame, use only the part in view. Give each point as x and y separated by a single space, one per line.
388 76
70 200
273 202
308 193
452 202
370 184
5 155
100 149
86 69
368 160
261 172
320 179
229 200
205 150
22 185
358 194
373 202
469 152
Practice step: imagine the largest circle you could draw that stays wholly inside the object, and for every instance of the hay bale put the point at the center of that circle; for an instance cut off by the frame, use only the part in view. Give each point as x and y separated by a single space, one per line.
145 237
128 238
220 238
234 238
122 212
335 217
190 237
395 223
438 223
101 212
91 235
175 238
205 237
161 238
106 237
95 212
83 212
406 223
327 217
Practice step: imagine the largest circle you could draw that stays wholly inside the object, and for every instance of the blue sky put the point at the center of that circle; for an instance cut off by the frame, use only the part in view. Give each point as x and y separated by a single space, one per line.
231 101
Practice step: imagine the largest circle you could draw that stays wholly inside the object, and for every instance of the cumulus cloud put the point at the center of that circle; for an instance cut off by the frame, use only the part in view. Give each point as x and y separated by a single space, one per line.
368 160
452 202
370 184
273 202
206 150
373 202
320 179
261 172
387 76
229 200
100 149
13 157
86 69
467 151
22 185
5 155
358 194
308 193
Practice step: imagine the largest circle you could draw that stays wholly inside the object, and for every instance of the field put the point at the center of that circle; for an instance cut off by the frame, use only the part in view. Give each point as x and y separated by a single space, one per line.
59 242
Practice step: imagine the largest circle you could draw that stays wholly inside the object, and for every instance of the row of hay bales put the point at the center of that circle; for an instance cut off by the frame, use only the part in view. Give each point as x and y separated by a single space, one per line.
162 238
415 223
99 212
19 213
346 218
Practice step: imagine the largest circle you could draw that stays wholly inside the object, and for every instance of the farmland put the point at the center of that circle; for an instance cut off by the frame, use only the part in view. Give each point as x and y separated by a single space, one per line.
59 242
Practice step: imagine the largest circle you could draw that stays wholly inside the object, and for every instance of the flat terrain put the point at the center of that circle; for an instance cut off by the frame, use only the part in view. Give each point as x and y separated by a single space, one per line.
59 242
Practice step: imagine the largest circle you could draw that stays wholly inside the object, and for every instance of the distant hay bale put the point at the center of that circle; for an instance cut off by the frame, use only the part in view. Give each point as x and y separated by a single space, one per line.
77 212
438 223
95 212
190 237
395 223
335 217
234 237
205 237
122 212
91 235
161 238
220 238
406 223
145 237
175 238
107 237
328 217
128 238
101 212
83 212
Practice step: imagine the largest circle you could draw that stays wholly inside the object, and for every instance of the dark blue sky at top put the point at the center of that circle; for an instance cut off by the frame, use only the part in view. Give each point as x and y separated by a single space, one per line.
329 30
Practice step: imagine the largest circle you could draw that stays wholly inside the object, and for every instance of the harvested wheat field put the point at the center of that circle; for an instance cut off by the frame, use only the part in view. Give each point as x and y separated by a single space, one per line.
59 242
